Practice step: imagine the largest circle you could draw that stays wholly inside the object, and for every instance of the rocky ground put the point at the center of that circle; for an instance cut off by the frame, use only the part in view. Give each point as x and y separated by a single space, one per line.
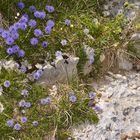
120 116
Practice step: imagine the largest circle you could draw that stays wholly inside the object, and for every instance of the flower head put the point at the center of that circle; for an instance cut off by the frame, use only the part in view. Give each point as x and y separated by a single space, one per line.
5 34
67 22
24 19
92 95
23 68
17 126
50 8
91 60
45 101
9 51
58 54
10 123
35 123
23 119
39 14
27 104
73 98
97 108
22 103
50 23
32 23
32 8
14 35
48 29
23 26
38 32
64 42
9 41
21 5
7 83
24 92
21 53
44 44
15 48
34 41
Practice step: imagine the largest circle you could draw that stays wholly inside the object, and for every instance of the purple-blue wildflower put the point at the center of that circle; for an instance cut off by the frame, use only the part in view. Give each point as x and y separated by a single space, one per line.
73 98
17 126
97 108
22 103
32 23
50 23
21 5
38 32
1 30
5 34
10 123
9 51
58 54
23 19
40 72
21 53
15 48
27 104
35 123
91 60
32 8
12 28
64 42
92 95
67 22
23 26
36 76
45 101
23 119
34 41
23 68
50 8
7 83
44 44
39 14
24 92
9 41
14 35
48 99
48 29
17 25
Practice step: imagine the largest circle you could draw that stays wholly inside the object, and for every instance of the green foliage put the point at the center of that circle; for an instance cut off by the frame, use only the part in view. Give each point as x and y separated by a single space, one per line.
60 114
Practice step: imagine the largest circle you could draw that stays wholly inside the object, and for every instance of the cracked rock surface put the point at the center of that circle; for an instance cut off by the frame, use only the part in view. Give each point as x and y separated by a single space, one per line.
120 103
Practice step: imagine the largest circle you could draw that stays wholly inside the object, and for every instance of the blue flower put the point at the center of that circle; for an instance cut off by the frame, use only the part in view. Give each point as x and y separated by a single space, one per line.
73 98
32 23
24 92
5 34
34 41
39 14
21 5
64 42
91 60
97 108
44 44
58 54
1 30
27 104
17 25
50 23
9 41
23 69
38 32
21 53
17 126
9 51
7 83
36 76
35 123
32 8
23 119
24 19
12 28
67 22
10 123
50 8
15 48
92 95
22 103
14 35
45 101
23 26
40 72
48 29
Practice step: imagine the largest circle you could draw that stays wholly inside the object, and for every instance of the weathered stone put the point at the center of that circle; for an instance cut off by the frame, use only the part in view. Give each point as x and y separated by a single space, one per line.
62 71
